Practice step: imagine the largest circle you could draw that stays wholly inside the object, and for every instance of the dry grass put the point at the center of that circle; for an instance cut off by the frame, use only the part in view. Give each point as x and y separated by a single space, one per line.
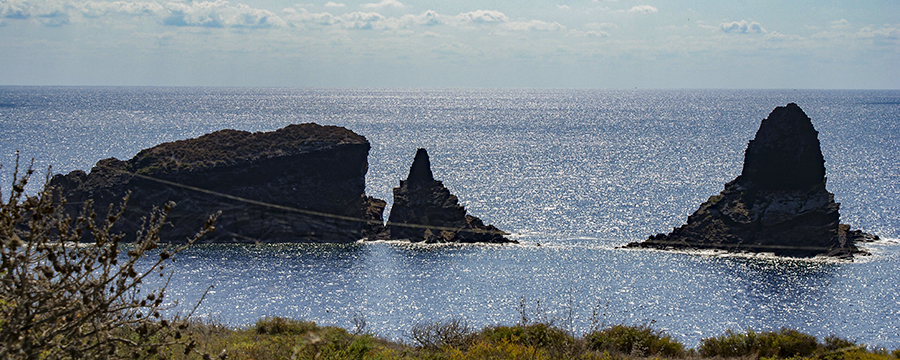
279 338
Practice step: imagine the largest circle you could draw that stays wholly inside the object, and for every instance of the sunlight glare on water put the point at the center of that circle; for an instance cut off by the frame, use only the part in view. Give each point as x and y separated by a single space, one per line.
579 172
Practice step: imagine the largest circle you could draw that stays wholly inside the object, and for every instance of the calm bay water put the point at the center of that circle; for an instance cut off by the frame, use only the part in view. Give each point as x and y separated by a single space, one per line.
579 172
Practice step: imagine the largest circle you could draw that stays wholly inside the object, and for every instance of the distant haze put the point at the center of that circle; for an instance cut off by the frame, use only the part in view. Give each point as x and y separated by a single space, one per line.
483 43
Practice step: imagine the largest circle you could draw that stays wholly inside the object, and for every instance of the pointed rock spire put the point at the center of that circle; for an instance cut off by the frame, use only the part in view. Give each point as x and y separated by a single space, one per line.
778 204
425 210
420 171
785 153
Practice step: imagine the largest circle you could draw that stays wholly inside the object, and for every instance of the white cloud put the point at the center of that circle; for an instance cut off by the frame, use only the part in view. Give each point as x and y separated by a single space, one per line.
707 27
884 32
775 36
299 17
589 33
601 26
97 9
303 16
47 13
383 4
372 20
482 17
429 17
642 9
840 24
743 27
13 9
223 14
594 30
219 13
534 25
562 7
362 20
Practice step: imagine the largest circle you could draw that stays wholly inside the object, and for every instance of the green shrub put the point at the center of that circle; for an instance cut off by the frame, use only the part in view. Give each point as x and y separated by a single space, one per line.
536 334
454 333
542 338
505 350
637 340
282 326
357 349
834 343
64 298
783 343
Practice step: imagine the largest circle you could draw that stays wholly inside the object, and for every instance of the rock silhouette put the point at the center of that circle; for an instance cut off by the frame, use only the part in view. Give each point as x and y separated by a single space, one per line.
778 204
301 183
424 210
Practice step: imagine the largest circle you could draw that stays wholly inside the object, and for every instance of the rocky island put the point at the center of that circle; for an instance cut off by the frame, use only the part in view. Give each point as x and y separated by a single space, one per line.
424 210
301 183
778 204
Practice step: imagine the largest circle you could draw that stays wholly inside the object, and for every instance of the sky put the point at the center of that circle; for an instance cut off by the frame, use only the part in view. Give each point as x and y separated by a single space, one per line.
617 44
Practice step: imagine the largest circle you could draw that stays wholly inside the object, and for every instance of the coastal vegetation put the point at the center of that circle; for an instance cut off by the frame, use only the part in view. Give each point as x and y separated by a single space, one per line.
70 288
280 338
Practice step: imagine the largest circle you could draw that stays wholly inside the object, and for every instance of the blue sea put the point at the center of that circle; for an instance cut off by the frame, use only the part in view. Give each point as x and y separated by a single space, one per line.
572 174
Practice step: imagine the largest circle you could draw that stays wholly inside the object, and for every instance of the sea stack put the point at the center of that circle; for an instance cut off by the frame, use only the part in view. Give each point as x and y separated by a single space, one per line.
778 204
301 183
424 210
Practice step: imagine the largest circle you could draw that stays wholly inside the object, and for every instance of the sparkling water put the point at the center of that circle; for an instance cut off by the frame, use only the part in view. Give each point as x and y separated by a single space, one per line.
572 174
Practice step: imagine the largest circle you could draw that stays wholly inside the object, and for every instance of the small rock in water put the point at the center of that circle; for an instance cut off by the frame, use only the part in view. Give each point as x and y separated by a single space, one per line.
424 210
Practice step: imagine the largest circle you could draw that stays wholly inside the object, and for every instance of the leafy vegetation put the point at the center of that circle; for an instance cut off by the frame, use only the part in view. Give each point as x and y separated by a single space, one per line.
783 343
279 338
70 290
640 340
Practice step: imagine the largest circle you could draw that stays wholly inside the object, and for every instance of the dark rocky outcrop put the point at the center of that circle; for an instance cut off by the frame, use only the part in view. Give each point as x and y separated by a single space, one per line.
778 204
302 183
424 210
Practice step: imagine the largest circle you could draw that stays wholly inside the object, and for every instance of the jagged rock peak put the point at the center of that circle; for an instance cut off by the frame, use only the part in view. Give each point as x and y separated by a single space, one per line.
425 210
785 153
778 204
420 171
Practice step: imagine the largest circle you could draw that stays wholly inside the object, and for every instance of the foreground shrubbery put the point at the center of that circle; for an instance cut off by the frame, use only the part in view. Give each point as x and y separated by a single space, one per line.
70 290
279 338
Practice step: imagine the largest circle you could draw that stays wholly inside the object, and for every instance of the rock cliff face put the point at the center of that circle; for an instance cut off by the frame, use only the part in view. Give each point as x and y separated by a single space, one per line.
424 210
778 204
270 186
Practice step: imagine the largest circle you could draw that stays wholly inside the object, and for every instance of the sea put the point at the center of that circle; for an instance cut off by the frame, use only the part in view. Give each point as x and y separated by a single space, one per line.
571 174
